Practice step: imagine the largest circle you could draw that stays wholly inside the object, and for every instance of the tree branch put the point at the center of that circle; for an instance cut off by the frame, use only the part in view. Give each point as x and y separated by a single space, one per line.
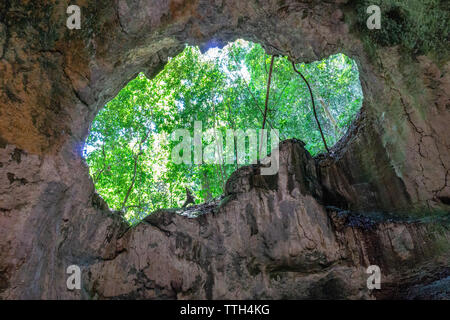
269 80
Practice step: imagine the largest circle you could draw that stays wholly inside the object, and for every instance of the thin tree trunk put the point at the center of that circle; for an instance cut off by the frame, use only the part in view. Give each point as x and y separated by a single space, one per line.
234 136
337 130
220 160
253 96
269 80
132 182
97 174
219 153
136 160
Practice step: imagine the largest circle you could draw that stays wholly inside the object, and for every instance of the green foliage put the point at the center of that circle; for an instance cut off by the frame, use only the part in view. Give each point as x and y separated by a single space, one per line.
129 147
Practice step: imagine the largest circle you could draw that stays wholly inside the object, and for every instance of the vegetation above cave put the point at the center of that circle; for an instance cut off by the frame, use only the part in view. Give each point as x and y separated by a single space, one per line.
129 146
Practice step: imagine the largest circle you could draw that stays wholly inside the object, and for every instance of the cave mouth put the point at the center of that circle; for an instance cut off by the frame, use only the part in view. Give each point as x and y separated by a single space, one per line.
130 146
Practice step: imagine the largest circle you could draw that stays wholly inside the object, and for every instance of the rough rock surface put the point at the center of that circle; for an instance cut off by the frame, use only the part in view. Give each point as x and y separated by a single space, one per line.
309 232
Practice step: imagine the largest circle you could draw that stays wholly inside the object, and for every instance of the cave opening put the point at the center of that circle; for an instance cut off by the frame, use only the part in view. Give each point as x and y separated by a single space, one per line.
130 147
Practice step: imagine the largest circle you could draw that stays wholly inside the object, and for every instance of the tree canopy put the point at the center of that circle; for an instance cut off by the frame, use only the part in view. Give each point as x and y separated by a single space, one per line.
129 146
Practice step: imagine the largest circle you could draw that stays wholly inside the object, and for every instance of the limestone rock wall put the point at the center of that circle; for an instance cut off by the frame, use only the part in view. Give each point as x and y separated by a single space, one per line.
270 238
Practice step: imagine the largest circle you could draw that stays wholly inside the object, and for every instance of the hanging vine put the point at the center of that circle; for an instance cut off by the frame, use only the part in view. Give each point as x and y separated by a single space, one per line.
313 104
